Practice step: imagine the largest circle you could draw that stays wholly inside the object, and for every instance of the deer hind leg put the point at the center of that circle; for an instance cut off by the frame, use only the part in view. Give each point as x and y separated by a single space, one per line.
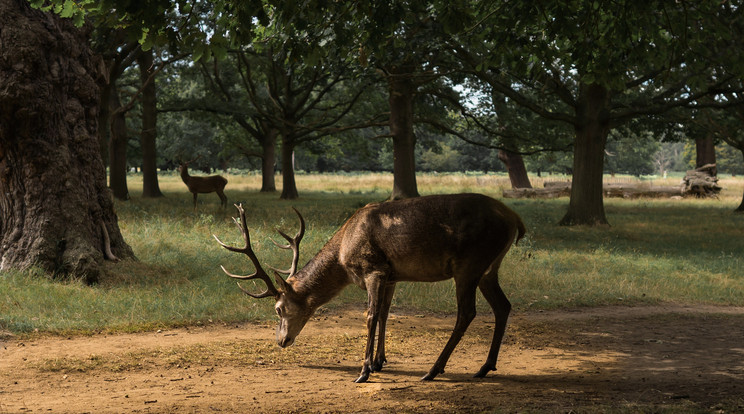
195 196
465 314
491 290
385 302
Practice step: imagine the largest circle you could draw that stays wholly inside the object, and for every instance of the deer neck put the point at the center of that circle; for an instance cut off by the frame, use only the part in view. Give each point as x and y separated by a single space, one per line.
322 278
185 174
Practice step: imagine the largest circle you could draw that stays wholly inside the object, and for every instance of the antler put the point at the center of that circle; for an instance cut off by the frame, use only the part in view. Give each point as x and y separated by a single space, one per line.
294 244
271 290
189 162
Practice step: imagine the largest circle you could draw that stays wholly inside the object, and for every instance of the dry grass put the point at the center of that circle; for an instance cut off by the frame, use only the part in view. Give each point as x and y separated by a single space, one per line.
686 251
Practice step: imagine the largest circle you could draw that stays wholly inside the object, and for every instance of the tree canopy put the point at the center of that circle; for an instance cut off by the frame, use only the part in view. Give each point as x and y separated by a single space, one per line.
527 77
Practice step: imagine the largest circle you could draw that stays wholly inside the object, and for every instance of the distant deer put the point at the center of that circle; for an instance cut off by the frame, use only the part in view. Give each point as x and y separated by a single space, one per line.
210 184
425 239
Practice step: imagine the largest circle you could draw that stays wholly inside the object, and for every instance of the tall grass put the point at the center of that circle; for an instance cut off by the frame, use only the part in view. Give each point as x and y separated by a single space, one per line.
686 251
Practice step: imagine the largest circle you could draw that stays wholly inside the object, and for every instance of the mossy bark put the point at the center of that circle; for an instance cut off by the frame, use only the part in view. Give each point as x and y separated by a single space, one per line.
55 209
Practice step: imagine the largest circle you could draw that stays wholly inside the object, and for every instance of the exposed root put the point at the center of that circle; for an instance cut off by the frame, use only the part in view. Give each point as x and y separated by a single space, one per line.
108 254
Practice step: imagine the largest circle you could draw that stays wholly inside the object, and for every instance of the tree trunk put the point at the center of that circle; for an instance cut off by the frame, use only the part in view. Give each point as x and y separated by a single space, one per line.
268 161
740 209
401 93
516 169
148 135
118 149
289 187
586 206
55 209
104 122
705 151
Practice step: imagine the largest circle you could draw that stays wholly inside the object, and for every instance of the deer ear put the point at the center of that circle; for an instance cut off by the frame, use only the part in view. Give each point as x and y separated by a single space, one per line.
283 285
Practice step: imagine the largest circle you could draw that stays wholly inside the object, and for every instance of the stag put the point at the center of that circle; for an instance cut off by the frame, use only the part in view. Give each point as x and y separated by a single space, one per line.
210 184
425 239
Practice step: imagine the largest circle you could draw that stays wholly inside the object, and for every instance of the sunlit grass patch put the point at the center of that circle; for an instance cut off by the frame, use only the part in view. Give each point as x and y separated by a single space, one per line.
686 251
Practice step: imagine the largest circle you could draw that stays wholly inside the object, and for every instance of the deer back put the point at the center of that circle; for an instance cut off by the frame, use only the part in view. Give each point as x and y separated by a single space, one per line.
426 238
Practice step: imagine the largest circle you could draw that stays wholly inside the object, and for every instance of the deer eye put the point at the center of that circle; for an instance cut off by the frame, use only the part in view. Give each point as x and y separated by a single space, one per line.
278 311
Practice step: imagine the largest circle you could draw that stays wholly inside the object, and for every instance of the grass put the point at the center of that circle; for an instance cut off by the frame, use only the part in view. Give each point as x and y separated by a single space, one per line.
684 251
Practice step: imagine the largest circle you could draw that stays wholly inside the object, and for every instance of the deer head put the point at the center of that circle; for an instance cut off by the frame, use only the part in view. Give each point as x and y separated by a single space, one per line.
290 307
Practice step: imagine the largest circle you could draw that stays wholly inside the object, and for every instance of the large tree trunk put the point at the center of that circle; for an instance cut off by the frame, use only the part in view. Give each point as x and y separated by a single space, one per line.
148 135
516 169
268 161
118 142
401 93
740 209
104 121
705 151
55 209
289 187
586 206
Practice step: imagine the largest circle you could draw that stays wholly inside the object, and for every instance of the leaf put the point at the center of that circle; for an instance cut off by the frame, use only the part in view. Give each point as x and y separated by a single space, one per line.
145 40
68 9
198 52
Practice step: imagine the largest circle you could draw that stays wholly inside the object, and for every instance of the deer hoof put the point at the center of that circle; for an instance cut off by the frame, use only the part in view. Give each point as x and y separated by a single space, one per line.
362 378
377 366
483 371
431 375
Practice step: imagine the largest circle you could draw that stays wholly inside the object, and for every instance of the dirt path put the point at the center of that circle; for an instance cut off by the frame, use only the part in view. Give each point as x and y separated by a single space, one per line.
646 357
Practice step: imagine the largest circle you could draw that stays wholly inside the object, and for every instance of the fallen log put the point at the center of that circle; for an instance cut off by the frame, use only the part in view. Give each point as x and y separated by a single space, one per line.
550 192
702 182
638 191
563 189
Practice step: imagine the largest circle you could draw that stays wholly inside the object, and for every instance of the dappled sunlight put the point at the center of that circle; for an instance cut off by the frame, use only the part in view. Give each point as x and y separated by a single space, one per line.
687 251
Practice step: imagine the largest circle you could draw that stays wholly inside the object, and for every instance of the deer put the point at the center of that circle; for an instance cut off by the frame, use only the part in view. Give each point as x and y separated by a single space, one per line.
423 239
209 184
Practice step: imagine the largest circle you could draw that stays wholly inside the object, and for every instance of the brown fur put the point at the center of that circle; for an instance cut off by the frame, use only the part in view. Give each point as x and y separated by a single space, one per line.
424 239
210 184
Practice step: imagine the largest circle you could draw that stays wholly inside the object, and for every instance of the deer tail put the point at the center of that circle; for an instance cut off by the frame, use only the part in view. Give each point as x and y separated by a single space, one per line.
520 229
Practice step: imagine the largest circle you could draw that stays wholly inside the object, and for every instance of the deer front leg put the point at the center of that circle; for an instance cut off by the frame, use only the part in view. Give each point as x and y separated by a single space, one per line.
375 291
223 198
385 302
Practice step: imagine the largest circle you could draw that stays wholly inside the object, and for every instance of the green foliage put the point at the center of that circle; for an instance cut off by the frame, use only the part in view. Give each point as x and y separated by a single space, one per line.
205 28
630 153
657 251
554 162
729 159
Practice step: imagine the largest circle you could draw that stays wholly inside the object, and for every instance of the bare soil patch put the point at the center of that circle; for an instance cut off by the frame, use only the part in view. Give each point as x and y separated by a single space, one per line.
589 360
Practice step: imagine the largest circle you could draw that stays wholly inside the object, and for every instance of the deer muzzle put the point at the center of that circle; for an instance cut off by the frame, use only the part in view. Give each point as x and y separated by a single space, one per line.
283 336
284 342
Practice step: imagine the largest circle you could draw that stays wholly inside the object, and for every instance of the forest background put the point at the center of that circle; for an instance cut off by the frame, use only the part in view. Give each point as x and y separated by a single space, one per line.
571 87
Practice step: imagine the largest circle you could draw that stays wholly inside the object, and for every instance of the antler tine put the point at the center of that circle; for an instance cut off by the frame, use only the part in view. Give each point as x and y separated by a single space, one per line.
260 273
294 244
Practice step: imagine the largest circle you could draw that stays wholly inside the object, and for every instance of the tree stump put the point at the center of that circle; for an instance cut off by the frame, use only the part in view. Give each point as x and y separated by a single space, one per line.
702 182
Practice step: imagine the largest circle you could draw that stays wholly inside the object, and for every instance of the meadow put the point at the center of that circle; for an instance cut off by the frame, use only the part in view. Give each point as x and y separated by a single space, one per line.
682 251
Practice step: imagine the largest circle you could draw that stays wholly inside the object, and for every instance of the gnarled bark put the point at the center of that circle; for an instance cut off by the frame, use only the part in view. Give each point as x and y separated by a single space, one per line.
53 195
118 141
